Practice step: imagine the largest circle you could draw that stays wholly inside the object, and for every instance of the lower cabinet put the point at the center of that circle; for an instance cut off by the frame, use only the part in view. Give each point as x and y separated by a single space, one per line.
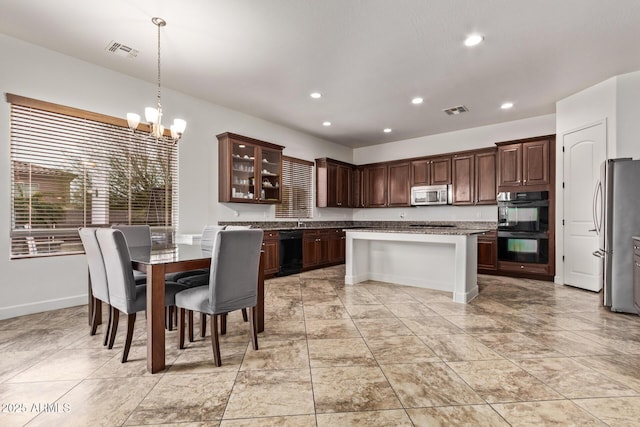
337 245
321 248
271 248
488 252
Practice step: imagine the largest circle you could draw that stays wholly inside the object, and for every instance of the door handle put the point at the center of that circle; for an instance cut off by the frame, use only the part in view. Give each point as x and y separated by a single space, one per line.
593 229
598 253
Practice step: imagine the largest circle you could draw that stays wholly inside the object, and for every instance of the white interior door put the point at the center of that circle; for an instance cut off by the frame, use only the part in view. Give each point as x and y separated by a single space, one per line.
584 152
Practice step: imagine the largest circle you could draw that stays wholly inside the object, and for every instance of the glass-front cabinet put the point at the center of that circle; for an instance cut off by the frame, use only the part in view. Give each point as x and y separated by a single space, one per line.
250 170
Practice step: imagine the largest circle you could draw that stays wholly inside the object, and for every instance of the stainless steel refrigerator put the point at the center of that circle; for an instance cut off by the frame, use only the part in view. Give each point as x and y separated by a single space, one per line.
616 212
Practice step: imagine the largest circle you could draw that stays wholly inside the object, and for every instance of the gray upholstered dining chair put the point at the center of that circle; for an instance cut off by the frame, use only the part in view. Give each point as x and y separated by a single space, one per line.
209 234
233 284
124 295
136 235
97 276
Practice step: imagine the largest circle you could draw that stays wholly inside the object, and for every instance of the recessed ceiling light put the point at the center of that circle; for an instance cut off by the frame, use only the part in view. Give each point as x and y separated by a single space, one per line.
316 95
417 100
473 40
326 123
506 105
387 130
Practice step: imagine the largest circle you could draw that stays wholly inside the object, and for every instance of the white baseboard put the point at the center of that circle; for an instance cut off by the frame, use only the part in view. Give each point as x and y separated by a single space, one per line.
465 297
40 306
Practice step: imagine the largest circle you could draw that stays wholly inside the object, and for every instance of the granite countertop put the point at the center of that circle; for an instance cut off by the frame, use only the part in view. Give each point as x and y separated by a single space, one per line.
418 227
449 231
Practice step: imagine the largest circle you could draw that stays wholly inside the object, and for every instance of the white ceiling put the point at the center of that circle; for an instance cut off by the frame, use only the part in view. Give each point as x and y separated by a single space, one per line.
367 57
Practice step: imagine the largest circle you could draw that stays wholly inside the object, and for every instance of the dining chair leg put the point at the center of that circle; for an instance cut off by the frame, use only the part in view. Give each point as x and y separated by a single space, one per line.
169 317
131 321
215 344
190 314
106 332
94 314
253 328
203 325
244 314
223 324
181 328
114 327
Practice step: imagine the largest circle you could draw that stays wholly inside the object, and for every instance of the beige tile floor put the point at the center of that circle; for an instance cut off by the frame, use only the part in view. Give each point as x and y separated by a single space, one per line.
523 353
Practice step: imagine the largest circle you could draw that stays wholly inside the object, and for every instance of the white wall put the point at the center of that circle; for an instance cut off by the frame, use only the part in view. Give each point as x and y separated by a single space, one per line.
31 285
467 139
615 101
628 115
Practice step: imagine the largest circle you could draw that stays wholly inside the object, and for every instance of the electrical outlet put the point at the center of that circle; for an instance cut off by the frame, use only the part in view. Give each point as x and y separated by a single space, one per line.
402 215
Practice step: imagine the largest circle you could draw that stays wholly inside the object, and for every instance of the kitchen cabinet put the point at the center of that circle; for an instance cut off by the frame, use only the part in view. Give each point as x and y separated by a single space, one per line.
334 184
636 272
387 185
525 165
474 177
375 186
463 179
337 246
315 248
536 271
323 247
398 185
431 171
358 188
488 252
271 248
485 177
249 170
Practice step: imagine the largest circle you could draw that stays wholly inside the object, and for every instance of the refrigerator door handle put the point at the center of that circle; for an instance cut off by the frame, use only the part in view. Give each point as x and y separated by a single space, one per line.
597 197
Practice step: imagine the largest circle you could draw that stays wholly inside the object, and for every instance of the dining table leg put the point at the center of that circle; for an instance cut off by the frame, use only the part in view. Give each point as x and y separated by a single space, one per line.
155 318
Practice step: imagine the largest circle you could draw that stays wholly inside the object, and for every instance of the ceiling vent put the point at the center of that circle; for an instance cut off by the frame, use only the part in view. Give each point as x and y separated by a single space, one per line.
121 50
454 111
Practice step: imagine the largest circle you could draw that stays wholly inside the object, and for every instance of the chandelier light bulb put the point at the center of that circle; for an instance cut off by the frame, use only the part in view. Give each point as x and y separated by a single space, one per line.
133 120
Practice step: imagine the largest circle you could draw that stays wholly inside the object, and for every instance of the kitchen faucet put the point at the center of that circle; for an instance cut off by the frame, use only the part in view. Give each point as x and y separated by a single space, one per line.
300 223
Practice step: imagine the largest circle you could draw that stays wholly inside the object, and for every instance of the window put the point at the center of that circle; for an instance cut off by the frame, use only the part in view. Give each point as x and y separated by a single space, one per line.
296 189
72 168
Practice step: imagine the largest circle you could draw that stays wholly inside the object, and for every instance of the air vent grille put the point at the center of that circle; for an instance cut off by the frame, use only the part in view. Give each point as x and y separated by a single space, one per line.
453 111
121 50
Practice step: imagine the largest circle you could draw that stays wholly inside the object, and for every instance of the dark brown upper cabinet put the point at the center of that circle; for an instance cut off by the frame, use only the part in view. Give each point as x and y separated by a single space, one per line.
431 171
463 179
386 184
474 177
375 186
525 164
249 170
334 184
398 187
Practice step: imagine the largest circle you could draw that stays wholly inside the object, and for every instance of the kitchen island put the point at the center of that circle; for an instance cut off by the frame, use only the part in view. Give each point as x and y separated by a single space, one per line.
434 258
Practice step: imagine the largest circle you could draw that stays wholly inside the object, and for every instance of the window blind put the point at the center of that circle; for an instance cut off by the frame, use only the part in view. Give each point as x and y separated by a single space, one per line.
296 189
78 170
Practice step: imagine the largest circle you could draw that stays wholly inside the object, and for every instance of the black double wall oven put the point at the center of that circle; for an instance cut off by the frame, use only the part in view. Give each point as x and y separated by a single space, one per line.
523 227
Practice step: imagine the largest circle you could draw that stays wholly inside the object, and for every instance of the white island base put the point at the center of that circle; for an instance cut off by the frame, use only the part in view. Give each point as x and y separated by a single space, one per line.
445 262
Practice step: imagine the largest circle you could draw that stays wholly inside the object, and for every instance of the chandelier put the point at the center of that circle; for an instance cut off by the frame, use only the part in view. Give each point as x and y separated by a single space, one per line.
154 115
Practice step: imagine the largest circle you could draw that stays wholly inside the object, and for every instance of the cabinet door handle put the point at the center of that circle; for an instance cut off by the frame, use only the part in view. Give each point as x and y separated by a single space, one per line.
522 266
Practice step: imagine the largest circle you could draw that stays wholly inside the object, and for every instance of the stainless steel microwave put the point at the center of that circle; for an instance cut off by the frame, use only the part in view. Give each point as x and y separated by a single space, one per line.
431 195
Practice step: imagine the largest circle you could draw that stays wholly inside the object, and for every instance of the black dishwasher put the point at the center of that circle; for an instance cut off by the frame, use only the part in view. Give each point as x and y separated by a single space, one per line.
290 252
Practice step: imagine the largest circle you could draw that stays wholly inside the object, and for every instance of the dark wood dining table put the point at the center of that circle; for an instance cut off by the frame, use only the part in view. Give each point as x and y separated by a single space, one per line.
170 259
